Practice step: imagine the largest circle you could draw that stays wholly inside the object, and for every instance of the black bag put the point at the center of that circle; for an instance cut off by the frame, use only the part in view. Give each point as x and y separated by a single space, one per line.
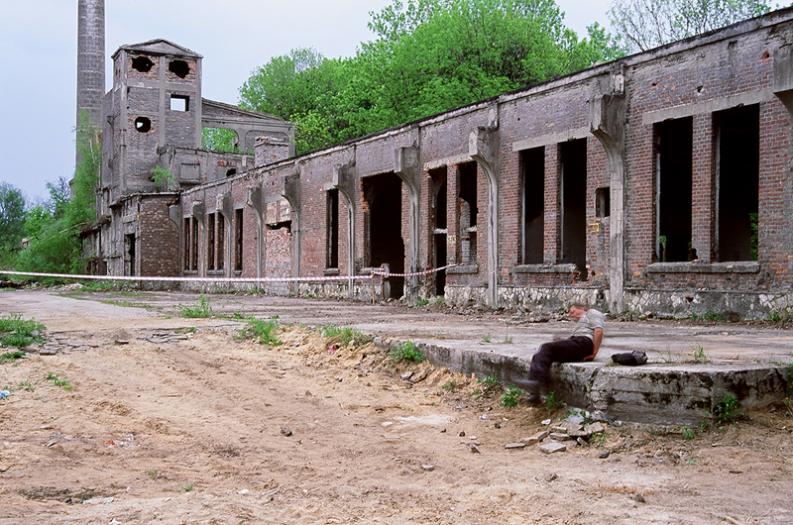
635 358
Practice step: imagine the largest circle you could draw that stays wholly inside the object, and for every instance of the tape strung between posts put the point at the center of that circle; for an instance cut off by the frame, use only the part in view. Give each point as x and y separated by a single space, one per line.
254 280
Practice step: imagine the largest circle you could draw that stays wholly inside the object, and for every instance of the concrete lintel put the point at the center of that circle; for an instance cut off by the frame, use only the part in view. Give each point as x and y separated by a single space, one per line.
552 138
447 161
707 106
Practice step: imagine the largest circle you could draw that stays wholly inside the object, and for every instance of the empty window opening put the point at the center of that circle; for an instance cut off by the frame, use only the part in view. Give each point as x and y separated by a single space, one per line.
220 251
180 103
383 227
439 232
238 251
142 125
194 245
468 210
221 140
187 243
129 240
332 229
673 153
211 241
142 64
180 68
573 168
231 172
603 202
737 183
532 230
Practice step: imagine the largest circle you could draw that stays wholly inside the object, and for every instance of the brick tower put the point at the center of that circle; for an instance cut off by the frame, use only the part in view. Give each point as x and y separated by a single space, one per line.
90 59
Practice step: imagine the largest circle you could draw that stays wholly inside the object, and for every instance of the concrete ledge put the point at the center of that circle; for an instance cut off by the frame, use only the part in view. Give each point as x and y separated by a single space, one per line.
697 267
655 393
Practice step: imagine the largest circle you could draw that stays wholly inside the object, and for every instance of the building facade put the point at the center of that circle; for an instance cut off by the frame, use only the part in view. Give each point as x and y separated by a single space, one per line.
660 183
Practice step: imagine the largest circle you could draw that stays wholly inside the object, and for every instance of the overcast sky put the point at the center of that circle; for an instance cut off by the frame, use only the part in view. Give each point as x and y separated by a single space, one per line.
39 56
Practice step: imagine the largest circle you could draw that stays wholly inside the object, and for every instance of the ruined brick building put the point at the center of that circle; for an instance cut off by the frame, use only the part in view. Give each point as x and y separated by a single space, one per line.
657 183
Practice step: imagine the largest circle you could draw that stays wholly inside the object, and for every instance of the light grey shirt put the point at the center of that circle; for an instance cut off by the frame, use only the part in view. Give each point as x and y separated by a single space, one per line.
587 324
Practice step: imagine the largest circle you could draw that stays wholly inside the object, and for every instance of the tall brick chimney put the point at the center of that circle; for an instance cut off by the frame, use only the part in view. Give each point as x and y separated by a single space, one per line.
91 59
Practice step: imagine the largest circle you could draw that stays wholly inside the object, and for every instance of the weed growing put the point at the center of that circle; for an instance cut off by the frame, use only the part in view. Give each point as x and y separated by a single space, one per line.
27 386
688 433
450 386
345 335
153 474
726 410
421 302
407 351
510 398
700 356
189 487
487 339
488 384
202 311
10 357
60 381
552 403
16 332
263 330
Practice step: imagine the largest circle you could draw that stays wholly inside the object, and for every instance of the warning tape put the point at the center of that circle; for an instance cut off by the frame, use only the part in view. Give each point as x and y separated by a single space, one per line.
253 280
414 274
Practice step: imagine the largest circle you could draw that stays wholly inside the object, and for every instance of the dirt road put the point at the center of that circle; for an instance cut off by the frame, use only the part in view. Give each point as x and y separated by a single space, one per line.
167 424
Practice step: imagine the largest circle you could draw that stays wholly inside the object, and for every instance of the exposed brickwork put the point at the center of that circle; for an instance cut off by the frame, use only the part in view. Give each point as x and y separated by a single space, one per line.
694 79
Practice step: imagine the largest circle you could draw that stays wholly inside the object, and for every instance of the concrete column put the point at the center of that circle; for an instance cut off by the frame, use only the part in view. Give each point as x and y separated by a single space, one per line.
607 122
227 207
256 201
291 192
703 213
406 166
483 148
344 180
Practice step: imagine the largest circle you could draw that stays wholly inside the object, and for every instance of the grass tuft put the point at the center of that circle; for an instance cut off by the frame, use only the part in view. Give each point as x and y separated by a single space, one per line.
202 311
407 351
60 381
16 332
345 335
510 398
265 331
726 410
9 357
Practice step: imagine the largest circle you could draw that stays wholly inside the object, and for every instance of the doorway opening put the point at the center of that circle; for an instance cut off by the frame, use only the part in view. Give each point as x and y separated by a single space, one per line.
573 166
383 219
440 232
673 189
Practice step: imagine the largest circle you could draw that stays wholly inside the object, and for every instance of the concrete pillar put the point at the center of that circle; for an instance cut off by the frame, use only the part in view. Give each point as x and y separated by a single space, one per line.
607 123
226 206
406 166
256 201
198 211
344 181
291 192
483 148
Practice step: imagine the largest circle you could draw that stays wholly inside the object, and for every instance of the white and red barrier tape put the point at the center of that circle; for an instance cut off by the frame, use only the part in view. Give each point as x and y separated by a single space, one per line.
253 280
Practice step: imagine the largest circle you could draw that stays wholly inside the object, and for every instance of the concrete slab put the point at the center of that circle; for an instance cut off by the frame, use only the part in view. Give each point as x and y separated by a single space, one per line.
747 361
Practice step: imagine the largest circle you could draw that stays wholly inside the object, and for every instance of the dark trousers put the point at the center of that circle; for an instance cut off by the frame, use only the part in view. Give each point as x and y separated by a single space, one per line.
564 351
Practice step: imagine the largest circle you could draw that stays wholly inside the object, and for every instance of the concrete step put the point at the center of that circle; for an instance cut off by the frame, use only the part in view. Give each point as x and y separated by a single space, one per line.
667 394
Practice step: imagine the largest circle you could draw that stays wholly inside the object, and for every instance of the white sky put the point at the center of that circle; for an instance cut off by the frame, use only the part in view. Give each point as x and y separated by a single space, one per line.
38 56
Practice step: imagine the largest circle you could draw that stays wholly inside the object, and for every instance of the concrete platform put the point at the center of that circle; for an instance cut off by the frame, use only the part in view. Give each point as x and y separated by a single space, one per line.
748 361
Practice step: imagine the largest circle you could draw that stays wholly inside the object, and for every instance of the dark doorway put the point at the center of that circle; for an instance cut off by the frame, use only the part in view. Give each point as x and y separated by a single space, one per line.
572 163
383 195
467 191
737 186
673 154
332 229
532 163
130 242
439 226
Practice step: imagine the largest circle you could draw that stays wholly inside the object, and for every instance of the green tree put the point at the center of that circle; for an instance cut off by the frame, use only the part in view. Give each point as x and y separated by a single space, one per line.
12 221
429 56
645 24
54 229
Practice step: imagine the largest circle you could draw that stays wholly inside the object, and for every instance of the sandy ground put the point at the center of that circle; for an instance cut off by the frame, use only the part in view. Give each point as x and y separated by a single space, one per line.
183 426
